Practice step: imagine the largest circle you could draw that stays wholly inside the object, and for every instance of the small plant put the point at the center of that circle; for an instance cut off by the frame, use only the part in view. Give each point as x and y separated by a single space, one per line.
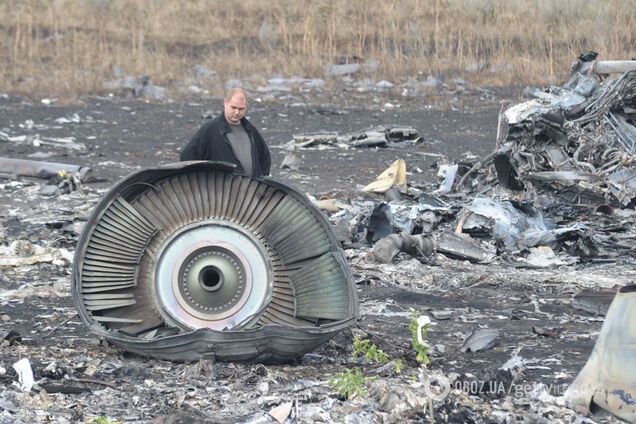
102 420
349 384
398 366
370 352
419 325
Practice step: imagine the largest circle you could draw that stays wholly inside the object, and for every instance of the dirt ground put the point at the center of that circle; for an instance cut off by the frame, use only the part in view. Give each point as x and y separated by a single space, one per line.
83 377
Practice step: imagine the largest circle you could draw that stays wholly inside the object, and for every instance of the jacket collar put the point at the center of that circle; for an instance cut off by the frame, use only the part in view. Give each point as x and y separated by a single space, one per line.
228 128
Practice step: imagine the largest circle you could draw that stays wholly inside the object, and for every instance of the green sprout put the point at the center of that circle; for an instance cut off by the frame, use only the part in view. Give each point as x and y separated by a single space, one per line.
418 341
349 384
370 352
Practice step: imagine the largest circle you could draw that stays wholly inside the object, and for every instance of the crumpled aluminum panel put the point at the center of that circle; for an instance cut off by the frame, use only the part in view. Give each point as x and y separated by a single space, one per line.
608 380
191 260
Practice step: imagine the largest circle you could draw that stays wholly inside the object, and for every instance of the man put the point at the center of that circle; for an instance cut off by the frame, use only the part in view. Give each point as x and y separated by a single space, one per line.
231 138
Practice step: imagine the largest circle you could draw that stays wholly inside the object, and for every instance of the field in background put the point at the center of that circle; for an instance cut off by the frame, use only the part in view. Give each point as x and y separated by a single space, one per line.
71 46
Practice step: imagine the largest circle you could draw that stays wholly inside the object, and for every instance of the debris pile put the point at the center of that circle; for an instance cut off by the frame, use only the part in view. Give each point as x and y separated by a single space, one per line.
578 141
61 178
408 218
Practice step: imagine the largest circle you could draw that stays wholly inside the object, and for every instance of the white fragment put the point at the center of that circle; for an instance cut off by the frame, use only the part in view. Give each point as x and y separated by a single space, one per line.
25 374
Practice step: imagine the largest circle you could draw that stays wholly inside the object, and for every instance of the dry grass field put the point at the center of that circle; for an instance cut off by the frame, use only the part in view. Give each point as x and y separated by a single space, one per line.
71 46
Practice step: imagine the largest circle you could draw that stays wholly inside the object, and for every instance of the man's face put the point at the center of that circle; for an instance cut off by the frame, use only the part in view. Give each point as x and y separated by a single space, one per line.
234 109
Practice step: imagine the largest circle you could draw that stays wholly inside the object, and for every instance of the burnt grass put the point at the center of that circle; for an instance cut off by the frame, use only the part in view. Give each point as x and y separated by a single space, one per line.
532 309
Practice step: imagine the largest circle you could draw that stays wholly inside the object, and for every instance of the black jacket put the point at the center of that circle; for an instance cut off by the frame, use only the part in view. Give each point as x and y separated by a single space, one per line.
211 143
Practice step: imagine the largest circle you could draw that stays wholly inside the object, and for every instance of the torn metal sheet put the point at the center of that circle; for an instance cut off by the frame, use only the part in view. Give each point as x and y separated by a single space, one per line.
565 177
502 220
396 134
481 339
350 68
192 261
399 401
554 332
551 238
138 87
462 246
22 252
370 138
327 205
407 216
608 380
622 184
34 168
625 131
393 176
65 142
448 173
381 136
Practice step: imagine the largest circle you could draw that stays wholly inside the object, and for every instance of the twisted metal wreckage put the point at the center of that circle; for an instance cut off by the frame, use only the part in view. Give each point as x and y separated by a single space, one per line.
192 261
578 140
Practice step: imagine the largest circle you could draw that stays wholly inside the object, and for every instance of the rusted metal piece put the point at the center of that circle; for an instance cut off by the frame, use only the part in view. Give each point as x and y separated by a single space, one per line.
192 260
608 380
34 168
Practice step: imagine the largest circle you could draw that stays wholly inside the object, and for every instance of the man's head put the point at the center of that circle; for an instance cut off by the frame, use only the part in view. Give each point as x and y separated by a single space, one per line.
235 105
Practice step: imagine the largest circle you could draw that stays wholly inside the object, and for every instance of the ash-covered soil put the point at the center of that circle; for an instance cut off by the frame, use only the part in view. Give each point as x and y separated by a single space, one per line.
546 339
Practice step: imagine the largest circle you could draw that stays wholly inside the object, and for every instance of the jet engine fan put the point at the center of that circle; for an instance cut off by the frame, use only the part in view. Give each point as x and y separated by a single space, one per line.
192 260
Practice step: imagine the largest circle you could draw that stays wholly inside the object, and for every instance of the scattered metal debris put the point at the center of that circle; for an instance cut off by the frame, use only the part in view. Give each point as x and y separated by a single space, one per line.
373 137
32 168
22 252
